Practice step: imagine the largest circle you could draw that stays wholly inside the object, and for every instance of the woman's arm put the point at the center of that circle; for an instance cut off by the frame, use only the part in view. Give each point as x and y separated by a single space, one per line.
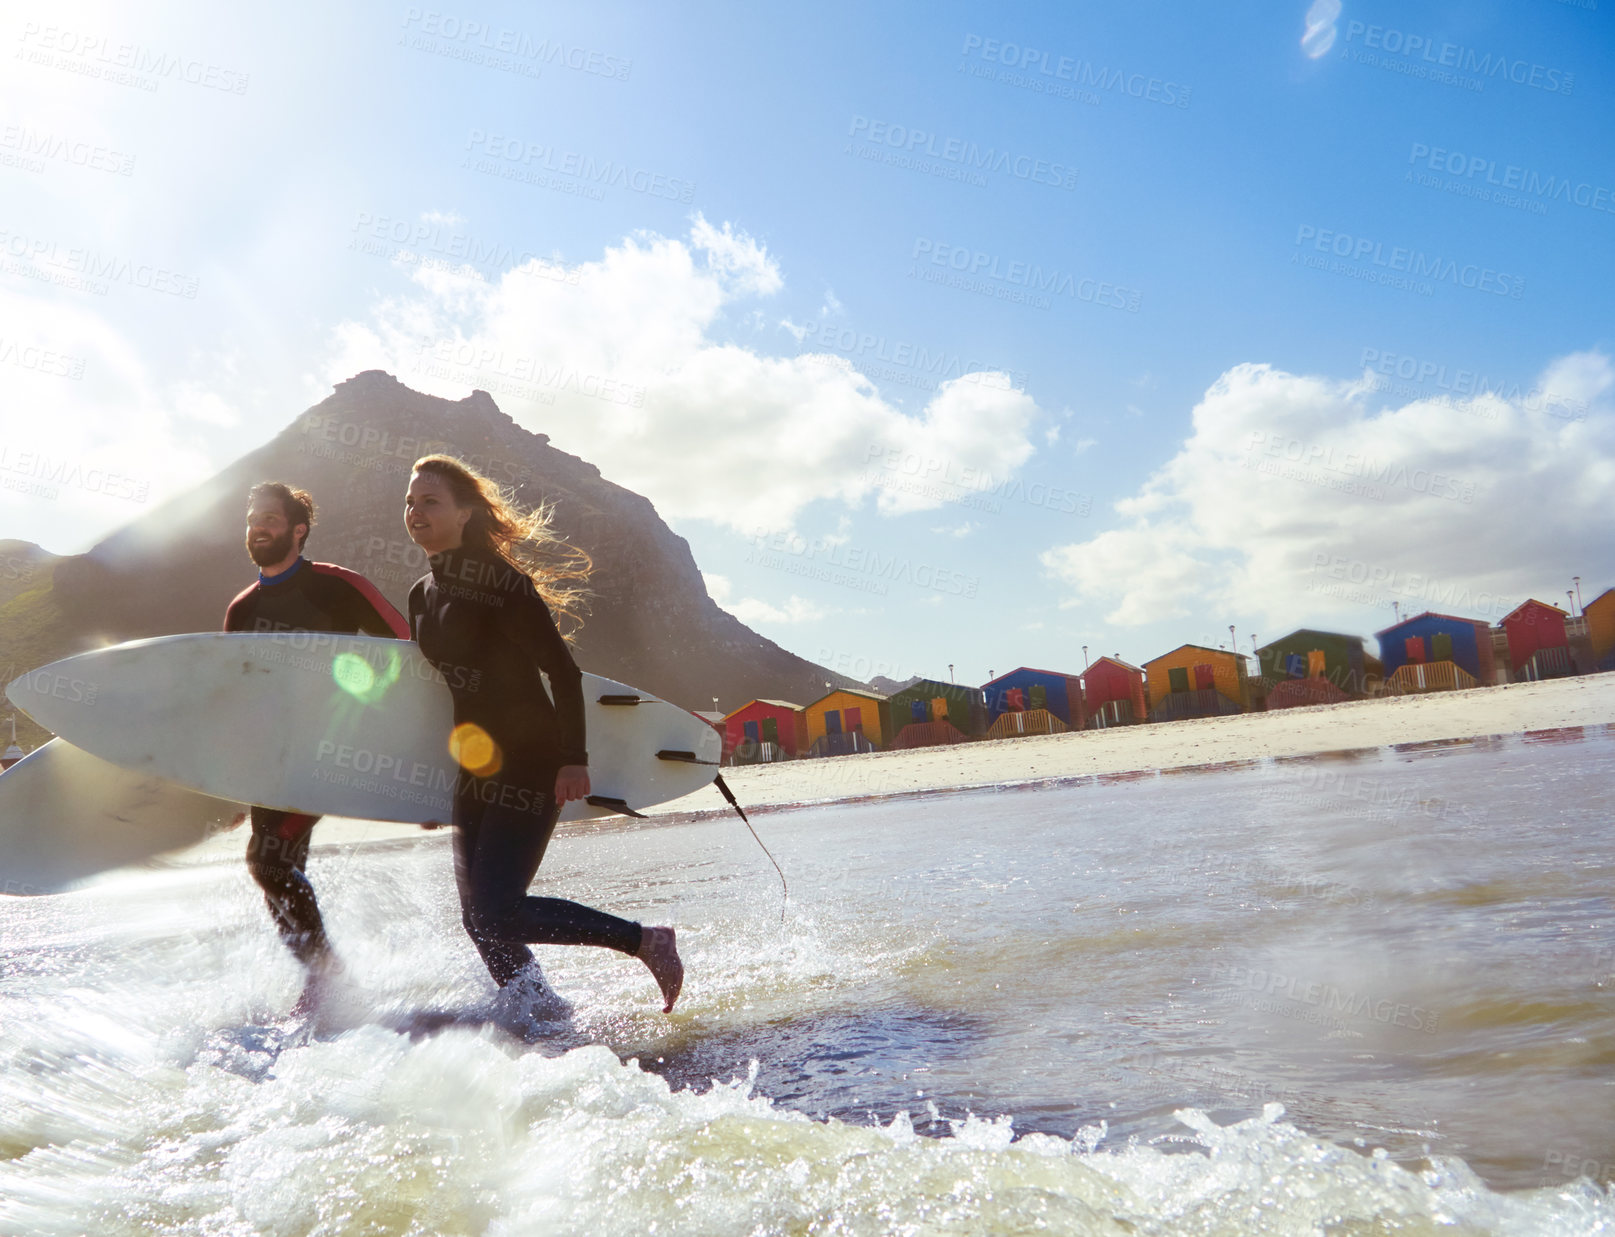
526 621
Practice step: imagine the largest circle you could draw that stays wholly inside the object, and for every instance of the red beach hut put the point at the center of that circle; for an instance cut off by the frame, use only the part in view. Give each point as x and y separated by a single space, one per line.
1538 647
1114 692
762 730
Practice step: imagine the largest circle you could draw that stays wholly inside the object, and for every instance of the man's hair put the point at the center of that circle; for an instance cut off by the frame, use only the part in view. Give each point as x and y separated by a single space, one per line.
297 504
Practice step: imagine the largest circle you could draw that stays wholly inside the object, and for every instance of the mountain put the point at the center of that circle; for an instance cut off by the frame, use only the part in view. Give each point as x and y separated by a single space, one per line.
883 686
650 621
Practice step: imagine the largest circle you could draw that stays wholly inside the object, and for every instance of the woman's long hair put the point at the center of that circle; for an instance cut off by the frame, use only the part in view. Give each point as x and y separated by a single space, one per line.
526 541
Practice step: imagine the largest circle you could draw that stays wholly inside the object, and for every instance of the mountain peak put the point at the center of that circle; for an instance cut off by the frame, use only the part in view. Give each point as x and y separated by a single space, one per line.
651 621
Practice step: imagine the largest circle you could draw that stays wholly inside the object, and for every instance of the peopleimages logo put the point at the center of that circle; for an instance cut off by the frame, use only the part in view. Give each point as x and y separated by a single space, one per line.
1401 261
1021 60
1443 55
40 144
516 158
963 153
974 265
1527 181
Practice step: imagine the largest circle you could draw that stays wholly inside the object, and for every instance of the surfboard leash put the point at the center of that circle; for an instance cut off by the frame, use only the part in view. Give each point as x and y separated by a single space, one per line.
734 803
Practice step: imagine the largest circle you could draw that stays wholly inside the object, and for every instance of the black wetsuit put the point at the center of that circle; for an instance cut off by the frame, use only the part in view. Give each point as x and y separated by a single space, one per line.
305 597
483 625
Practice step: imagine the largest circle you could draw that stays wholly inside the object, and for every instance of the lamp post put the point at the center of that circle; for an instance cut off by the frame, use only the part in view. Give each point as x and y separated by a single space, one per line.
13 753
1571 598
1579 606
950 672
1085 659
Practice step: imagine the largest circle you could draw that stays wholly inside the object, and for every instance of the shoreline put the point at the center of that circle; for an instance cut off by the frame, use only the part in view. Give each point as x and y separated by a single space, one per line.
1201 743
1513 708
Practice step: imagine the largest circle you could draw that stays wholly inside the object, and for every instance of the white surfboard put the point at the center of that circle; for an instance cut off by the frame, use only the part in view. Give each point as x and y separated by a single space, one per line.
334 725
66 815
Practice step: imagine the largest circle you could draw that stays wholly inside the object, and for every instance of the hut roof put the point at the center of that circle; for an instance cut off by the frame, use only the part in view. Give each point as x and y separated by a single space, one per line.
1053 674
1532 601
846 691
1455 618
1312 631
1607 595
1116 661
1202 647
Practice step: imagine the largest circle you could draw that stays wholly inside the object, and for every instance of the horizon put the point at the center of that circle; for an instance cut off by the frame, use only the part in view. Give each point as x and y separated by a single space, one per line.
945 339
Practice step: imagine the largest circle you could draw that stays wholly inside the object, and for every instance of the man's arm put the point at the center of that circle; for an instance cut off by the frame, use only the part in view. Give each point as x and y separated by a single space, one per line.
368 610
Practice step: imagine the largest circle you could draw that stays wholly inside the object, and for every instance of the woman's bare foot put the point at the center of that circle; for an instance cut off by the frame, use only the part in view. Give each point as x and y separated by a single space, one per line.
658 949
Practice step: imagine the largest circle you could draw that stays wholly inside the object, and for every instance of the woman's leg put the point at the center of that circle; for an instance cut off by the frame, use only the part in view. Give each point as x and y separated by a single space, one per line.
503 859
496 858
503 958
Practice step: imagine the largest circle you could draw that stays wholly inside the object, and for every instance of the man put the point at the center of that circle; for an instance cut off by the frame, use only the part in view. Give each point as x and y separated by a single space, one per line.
293 594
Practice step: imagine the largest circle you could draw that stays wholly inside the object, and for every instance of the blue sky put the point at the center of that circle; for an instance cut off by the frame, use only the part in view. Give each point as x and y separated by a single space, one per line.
944 337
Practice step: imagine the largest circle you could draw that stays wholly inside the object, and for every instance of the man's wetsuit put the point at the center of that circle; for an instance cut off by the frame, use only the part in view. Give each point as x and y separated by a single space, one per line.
305 597
481 622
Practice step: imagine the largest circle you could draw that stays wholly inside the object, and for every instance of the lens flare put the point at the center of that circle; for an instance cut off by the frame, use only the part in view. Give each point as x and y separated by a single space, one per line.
475 750
353 674
363 681
1320 35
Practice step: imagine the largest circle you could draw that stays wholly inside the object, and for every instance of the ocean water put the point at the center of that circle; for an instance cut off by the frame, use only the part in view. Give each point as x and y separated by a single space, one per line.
1369 992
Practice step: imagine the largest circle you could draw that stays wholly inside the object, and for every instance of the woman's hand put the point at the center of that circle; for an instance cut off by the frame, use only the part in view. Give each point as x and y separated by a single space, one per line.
571 782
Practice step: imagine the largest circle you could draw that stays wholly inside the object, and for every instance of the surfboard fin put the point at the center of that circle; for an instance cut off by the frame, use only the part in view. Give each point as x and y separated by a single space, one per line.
615 805
689 758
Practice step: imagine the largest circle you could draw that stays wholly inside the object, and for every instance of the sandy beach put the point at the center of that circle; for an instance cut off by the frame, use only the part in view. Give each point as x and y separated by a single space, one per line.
1510 709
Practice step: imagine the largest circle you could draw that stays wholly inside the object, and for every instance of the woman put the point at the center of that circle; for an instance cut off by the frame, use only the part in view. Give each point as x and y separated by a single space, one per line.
480 616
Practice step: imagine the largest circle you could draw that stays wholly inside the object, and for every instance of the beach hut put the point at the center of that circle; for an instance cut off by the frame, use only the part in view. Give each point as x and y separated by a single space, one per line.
1113 693
931 700
761 731
1600 616
1538 646
1307 656
1436 652
844 721
1195 681
1025 688
939 733
1016 723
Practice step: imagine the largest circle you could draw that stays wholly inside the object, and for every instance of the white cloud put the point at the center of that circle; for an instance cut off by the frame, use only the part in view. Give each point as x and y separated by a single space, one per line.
1299 500
91 436
618 361
752 611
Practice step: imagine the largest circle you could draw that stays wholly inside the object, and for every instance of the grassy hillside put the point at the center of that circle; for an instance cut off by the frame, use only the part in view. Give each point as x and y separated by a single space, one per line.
34 631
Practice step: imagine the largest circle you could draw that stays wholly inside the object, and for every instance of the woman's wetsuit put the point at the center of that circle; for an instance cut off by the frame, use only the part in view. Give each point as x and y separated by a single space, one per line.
481 622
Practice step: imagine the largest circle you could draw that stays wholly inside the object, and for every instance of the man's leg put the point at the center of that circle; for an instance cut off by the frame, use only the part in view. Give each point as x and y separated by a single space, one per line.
276 854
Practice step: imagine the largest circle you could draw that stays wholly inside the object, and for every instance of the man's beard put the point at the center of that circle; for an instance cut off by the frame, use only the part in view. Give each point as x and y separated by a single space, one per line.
275 550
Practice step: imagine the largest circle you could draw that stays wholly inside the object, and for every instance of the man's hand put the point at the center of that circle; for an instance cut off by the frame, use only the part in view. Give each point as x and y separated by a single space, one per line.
571 782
